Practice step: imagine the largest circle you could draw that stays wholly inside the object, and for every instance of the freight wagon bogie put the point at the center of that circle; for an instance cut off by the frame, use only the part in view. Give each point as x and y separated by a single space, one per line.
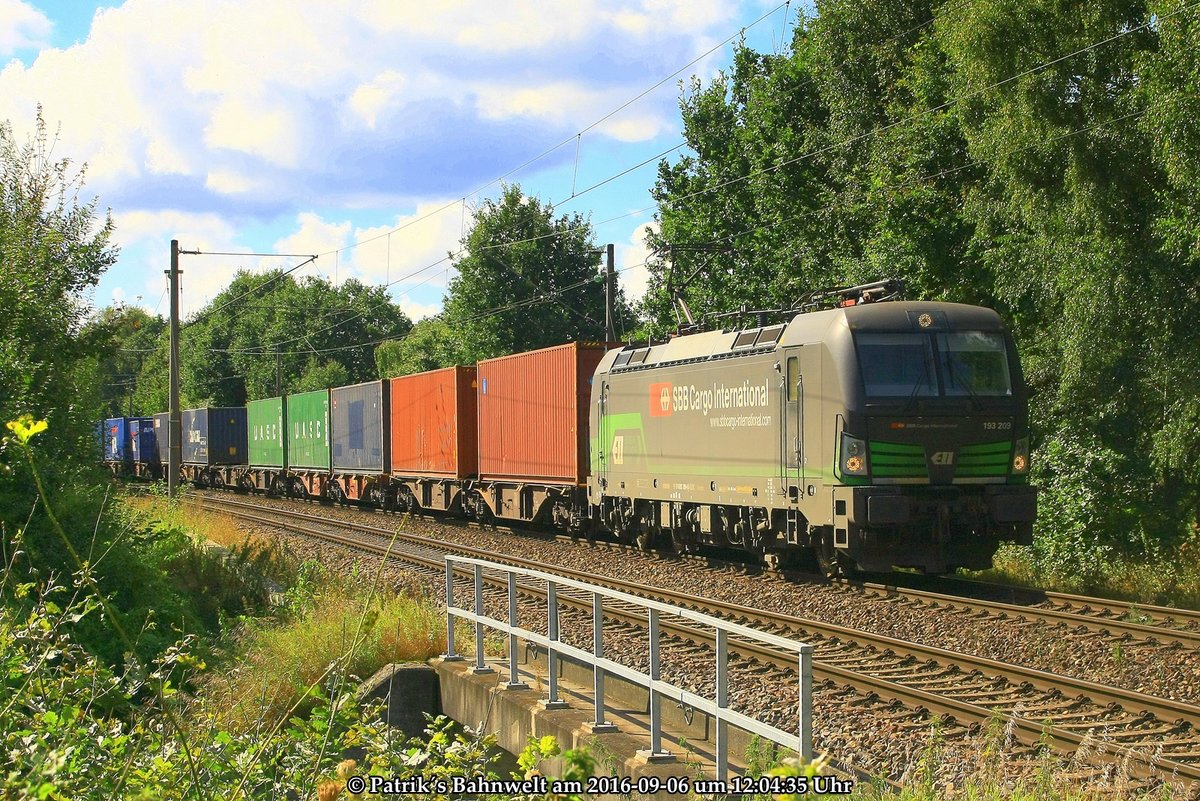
421 495
561 507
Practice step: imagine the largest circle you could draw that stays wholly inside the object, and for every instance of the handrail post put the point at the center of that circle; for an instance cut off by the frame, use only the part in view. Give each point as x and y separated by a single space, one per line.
722 700
806 746
451 654
514 677
599 725
656 753
552 701
480 665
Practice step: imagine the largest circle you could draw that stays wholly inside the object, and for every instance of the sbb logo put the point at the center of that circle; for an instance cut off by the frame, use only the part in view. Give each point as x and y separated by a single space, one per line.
660 399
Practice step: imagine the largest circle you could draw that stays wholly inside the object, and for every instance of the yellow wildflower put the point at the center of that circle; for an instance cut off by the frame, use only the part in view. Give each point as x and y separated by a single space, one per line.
25 428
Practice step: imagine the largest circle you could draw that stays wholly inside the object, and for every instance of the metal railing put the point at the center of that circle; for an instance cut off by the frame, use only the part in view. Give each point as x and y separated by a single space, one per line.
717 707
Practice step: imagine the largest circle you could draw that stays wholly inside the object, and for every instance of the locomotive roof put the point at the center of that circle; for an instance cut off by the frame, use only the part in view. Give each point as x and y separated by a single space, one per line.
804 328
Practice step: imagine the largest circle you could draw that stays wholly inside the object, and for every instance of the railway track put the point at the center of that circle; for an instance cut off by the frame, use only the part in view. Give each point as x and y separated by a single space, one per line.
1155 738
1117 619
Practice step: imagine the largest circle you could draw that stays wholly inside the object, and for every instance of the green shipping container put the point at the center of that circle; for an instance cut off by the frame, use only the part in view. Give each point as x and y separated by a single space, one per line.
308 430
265 421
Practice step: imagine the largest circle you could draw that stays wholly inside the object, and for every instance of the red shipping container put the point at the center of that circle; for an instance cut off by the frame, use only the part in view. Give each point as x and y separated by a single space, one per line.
433 424
533 414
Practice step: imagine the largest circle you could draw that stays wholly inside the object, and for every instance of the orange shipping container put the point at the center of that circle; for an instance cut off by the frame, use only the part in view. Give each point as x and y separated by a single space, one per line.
433 424
533 414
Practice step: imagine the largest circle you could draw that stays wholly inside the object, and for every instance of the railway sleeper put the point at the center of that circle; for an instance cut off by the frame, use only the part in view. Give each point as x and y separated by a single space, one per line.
1157 732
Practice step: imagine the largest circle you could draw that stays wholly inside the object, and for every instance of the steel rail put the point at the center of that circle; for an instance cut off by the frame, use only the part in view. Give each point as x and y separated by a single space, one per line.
1110 625
1146 765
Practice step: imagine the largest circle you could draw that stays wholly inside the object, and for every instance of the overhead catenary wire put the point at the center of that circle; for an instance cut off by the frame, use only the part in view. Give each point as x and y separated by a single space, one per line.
873 132
552 295
576 137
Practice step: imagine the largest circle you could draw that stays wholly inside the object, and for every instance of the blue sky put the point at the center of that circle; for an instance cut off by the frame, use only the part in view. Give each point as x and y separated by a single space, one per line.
283 127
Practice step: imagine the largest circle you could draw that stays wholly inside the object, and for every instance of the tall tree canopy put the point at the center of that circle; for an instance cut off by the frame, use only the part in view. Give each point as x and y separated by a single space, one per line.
1037 156
126 335
324 334
53 249
525 280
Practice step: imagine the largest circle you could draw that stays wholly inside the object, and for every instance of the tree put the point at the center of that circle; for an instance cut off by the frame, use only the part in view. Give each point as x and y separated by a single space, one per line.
53 248
128 335
228 348
431 344
1022 154
526 280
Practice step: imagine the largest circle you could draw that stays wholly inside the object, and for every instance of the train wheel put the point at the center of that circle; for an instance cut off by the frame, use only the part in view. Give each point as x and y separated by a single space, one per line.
834 563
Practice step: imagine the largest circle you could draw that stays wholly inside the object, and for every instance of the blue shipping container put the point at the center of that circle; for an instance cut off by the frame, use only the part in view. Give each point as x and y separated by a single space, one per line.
119 433
162 435
143 443
214 435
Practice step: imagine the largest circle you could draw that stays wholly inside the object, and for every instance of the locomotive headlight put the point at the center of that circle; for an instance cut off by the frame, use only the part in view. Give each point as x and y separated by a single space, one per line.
854 456
1020 462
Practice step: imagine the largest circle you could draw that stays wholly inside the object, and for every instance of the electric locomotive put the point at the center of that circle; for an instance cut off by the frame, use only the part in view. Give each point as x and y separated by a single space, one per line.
871 435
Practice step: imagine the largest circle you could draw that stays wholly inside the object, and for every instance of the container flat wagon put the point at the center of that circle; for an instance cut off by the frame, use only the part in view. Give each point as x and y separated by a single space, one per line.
119 435
360 443
214 441
533 435
143 445
434 447
308 443
266 446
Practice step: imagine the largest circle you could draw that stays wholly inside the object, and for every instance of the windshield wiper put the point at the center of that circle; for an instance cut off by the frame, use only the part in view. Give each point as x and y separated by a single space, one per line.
912 396
950 364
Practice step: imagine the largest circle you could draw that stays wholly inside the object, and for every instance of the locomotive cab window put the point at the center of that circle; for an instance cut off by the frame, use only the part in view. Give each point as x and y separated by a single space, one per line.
897 364
974 363
958 364
793 378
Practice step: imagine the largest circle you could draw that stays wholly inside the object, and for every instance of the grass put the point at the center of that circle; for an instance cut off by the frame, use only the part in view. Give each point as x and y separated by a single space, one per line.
279 661
1167 581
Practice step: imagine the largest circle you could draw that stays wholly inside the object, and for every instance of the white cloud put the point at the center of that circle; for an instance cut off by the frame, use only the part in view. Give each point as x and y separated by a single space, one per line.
315 236
229 182
207 117
144 238
405 252
418 311
373 96
197 89
633 255
21 26
259 127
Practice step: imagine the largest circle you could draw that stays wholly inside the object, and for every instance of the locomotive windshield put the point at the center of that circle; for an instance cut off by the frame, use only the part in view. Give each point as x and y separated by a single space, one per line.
963 363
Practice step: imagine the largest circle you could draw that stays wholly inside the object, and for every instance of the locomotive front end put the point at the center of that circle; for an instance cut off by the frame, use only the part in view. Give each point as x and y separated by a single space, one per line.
931 456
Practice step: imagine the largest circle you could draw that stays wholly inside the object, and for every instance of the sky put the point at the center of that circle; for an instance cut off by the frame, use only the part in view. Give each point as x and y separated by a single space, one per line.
364 132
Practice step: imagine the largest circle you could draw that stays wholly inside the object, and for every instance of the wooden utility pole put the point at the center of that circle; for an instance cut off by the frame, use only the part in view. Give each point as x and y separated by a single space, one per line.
175 424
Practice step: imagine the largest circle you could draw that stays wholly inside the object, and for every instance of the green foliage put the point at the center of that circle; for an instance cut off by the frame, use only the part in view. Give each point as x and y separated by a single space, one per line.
126 336
518 253
154 583
433 343
74 728
281 658
53 249
318 375
954 146
324 333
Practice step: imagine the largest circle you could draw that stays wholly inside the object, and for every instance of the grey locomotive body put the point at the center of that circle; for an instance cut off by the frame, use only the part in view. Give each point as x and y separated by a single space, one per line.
871 436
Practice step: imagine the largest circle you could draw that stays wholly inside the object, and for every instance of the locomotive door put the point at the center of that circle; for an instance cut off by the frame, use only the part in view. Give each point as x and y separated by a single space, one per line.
603 439
793 429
